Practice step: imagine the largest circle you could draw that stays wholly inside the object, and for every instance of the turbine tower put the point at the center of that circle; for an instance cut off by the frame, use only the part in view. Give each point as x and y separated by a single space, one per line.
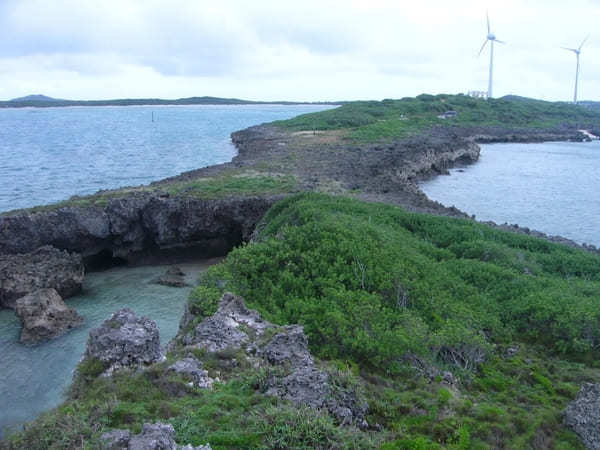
577 52
491 38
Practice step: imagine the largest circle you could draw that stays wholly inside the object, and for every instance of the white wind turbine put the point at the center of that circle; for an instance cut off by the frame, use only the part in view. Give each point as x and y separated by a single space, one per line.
491 38
577 52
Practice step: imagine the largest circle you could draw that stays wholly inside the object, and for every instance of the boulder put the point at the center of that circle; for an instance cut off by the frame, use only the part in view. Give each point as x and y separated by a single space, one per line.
46 267
296 377
288 347
125 340
154 436
115 440
227 327
173 277
44 316
583 415
190 368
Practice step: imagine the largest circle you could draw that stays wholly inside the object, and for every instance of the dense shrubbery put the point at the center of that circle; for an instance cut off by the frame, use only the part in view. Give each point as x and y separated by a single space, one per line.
371 120
372 283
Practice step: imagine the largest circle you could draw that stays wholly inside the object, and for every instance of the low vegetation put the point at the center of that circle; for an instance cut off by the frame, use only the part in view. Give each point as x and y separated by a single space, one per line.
462 337
391 119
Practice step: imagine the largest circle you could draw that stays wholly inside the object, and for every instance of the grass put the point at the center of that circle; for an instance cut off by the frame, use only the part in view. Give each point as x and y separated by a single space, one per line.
390 300
230 184
392 119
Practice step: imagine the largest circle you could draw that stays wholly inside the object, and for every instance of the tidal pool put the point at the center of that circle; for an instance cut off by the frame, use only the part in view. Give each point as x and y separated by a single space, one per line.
34 379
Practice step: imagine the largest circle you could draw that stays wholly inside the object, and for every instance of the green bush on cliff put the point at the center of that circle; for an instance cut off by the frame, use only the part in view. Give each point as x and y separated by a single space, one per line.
372 283
372 120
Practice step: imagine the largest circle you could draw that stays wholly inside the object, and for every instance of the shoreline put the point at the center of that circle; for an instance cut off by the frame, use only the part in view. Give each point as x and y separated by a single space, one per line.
169 219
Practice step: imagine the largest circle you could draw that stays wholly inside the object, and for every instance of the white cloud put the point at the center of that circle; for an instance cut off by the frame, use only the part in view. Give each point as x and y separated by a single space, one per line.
311 50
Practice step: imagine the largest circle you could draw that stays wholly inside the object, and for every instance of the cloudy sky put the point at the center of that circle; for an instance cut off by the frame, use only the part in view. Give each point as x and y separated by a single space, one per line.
293 50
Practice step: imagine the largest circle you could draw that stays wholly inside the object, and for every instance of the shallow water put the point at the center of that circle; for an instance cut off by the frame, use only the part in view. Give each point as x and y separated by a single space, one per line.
552 187
35 378
50 154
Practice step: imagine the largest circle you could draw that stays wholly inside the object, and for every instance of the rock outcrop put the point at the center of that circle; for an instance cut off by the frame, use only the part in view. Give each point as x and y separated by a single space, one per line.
294 373
124 341
45 267
147 226
173 277
154 436
190 368
224 329
583 415
45 316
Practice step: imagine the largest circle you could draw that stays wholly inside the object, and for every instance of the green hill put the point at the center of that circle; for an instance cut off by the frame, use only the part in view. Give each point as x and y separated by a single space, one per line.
389 119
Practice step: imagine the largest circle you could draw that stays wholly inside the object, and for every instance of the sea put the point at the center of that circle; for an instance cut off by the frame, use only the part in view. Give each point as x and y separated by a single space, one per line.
50 154
553 187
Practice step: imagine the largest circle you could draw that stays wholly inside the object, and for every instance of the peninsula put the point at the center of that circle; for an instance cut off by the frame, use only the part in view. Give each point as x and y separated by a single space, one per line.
379 319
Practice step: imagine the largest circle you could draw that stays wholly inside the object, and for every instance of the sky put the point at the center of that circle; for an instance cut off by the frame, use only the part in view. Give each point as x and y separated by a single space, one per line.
308 50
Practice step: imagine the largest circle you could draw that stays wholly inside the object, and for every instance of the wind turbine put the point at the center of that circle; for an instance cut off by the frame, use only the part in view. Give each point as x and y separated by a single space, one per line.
491 38
577 52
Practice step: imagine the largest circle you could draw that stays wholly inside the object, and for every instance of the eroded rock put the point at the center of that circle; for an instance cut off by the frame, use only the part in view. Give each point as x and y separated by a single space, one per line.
115 440
173 277
46 267
45 316
125 340
288 347
583 415
191 369
228 327
295 376
154 436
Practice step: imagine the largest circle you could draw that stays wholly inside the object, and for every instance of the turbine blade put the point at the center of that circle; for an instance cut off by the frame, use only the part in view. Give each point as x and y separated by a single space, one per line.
482 47
499 41
586 38
574 50
487 15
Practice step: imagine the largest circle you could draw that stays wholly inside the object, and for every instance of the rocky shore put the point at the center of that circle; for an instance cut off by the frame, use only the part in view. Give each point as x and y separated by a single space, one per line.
169 221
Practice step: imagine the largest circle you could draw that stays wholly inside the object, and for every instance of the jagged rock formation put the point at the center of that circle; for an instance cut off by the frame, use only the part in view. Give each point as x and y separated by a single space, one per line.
173 277
583 415
154 436
294 374
124 341
45 267
223 329
137 226
191 369
45 316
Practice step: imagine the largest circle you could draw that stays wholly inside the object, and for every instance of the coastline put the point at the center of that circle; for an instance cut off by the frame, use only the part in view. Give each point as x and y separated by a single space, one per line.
170 219
173 218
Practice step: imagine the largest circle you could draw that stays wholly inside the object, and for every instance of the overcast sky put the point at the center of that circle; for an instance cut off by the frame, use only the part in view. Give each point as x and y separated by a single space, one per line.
307 50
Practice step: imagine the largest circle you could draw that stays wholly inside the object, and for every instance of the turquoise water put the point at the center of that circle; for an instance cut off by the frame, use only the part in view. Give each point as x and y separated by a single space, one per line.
34 378
50 154
552 187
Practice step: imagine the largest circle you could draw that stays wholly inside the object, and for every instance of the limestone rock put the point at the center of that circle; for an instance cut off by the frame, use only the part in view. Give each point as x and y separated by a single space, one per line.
46 267
173 277
583 415
44 316
190 368
125 340
288 347
115 440
222 330
154 436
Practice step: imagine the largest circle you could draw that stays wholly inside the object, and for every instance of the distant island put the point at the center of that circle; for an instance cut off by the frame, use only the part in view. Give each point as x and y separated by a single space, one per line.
43 101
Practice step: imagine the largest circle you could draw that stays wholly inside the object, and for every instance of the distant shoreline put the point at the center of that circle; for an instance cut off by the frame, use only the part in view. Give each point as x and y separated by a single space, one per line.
191 101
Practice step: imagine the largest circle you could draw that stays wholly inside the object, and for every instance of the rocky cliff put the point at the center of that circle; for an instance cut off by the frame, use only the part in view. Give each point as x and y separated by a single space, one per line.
138 228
